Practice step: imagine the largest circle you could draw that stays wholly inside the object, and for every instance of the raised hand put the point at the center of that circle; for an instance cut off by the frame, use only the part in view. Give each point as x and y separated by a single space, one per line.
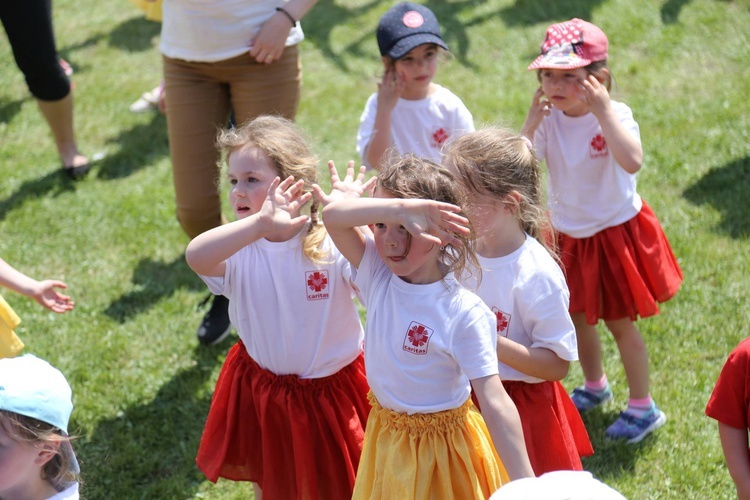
540 107
280 210
434 221
350 187
594 95
390 89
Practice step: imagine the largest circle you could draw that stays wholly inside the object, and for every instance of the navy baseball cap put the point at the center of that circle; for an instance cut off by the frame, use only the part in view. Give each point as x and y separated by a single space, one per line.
405 26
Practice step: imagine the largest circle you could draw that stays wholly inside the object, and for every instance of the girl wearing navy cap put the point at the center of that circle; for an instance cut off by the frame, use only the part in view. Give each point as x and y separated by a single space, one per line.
617 260
410 113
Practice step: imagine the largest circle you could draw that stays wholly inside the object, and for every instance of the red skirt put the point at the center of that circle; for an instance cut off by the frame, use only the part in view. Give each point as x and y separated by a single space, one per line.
295 438
622 271
554 433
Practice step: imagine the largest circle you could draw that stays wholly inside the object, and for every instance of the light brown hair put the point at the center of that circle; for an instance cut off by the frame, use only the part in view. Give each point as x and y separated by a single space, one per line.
32 432
499 163
285 146
411 177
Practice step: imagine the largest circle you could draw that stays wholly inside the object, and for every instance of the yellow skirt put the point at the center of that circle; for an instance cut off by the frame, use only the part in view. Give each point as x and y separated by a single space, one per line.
443 455
10 344
151 8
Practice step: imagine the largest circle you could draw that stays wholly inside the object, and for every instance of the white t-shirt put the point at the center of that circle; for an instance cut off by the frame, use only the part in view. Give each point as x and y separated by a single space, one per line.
294 316
423 343
526 291
588 190
420 127
215 30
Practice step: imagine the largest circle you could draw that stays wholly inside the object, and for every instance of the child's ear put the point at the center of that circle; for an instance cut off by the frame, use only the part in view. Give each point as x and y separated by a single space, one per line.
602 75
46 452
512 201
388 63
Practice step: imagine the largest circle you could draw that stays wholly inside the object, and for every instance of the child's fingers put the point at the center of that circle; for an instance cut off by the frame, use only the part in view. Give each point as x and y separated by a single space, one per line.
319 194
333 172
59 284
448 207
455 227
362 173
369 186
275 184
300 200
350 170
295 190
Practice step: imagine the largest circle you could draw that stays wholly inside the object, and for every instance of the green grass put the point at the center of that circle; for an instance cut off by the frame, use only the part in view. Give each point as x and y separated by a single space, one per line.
142 385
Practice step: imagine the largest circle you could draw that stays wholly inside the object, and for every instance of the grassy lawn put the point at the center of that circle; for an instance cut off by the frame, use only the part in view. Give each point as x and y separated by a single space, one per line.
142 384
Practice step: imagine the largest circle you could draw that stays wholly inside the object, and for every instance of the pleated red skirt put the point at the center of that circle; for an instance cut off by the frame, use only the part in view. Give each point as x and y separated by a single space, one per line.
554 433
622 271
295 438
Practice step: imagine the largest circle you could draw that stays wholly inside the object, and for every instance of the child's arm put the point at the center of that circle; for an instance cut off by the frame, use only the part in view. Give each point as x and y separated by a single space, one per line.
41 291
434 221
734 442
389 92
208 252
535 361
625 149
504 424
540 108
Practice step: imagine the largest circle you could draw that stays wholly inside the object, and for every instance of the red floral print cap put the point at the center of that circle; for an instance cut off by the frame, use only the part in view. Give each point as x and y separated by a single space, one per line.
572 44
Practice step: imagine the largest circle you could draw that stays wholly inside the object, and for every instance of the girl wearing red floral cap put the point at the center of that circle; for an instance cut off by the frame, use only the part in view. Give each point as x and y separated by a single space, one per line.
617 259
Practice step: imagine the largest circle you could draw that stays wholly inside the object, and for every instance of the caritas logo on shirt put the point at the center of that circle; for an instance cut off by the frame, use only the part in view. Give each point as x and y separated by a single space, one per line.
503 321
598 147
317 285
439 137
417 338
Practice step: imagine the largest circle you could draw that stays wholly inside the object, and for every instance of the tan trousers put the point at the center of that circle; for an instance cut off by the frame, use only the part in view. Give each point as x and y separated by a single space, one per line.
199 98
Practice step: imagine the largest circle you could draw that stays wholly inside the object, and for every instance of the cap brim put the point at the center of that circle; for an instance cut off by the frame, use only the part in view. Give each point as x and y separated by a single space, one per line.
403 46
556 61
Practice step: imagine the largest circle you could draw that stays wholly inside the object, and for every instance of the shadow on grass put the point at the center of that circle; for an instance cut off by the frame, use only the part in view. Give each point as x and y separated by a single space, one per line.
155 280
725 189
135 35
611 459
523 12
327 15
670 11
10 109
54 183
138 147
320 22
149 450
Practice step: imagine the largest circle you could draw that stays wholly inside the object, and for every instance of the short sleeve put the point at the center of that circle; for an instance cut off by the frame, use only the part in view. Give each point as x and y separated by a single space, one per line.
464 120
729 400
475 341
366 127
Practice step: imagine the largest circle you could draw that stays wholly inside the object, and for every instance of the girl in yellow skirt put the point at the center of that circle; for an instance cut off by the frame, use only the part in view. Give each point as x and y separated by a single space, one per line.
428 341
42 291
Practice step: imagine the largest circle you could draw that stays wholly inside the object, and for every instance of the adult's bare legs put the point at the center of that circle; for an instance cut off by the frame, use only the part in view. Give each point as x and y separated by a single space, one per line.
59 116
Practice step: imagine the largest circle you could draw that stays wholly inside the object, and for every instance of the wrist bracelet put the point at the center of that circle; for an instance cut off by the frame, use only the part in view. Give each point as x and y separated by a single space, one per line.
287 14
